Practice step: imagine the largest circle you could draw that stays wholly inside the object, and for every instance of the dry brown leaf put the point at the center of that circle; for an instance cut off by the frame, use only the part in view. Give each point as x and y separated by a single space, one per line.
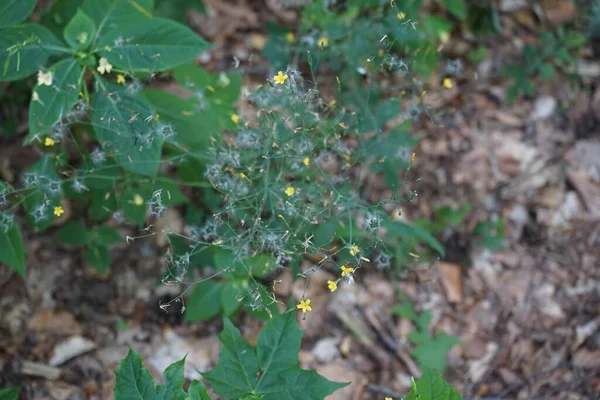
451 277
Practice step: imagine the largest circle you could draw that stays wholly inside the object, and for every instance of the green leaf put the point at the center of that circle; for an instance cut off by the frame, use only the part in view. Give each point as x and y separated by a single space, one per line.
79 33
229 297
105 235
432 353
14 11
124 131
73 233
271 370
24 49
133 381
133 204
197 391
12 251
12 393
152 45
113 14
432 386
99 258
173 387
59 14
406 231
456 8
55 100
204 303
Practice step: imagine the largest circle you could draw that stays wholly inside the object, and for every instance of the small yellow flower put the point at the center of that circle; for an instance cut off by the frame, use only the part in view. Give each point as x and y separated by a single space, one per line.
104 66
304 306
138 200
306 161
290 37
49 142
121 79
44 78
448 83
354 250
388 398
346 270
58 211
323 42
332 285
413 156
280 78
401 15
235 118
290 191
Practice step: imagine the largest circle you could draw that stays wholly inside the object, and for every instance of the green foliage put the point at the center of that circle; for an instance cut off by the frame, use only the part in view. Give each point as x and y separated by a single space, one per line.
430 350
432 386
14 11
80 32
270 371
456 8
10 393
11 243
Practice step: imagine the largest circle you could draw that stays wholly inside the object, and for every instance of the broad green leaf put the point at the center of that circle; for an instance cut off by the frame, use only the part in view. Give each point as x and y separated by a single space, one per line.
204 303
14 11
433 352
271 370
133 203
13 393
79 33
51 103
197 391
104 203
59 14
105 235
124 130
12 251
456 8
133 381
153 45
40 201
431 386
406 232
112 14
99 258
173 387
24 49
229 297
73 233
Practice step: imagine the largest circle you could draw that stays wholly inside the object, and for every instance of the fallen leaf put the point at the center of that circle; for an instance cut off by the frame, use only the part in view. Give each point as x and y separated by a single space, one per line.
451 277
69 348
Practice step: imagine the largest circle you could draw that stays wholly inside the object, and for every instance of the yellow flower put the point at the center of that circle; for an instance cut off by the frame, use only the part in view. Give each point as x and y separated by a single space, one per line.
306 161
121 79
304 306
448 83
104 66
58 211
323 42
235 118
138 200
346 270
290 37
280 78
44 78
49 142
354 250
388 398
401 15
290 191
332 285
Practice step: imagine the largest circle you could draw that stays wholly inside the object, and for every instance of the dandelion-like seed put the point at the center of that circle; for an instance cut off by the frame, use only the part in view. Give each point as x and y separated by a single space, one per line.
30 179
6 221
77 186
54 187
39 213
166 131
98 156
247 139
304 306
383 261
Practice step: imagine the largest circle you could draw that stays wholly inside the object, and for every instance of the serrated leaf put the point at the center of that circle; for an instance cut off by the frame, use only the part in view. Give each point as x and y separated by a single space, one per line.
12 393
53 102
204 303
12 251
197 391
124 131
432 386
73 233
98 257
133 381
433 352
173 387
80 31
112 14
153 45
456 8
271 370
24 49
14 11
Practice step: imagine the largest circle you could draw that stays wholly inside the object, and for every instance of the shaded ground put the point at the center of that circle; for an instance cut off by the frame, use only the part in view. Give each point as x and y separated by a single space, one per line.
528 316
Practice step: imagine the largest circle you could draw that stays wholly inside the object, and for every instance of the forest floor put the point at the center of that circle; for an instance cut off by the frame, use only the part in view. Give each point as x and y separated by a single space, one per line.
527 317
